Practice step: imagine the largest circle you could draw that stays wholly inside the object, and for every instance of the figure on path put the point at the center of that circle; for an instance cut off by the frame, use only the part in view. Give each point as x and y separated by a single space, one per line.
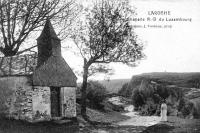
163 113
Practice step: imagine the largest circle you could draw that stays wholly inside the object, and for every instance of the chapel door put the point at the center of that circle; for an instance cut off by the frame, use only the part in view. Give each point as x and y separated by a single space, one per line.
55 102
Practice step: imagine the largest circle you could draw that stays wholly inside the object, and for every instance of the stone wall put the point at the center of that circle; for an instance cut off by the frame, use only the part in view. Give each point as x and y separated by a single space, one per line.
19 102
41 103
24 101
18 65
68 101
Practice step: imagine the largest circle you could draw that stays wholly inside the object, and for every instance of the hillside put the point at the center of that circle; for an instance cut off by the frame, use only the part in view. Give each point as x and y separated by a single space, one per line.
189 82
179 79
114 85
180 89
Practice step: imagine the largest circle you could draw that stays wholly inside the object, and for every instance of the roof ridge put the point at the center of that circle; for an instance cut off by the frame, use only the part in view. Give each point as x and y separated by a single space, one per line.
48 30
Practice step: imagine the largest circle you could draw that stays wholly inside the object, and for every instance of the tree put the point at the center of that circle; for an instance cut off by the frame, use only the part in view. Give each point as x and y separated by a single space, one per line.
19 18
106 35
95 94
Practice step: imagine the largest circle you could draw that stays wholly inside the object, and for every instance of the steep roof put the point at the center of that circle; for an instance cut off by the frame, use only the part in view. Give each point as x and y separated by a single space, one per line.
51 70
48 68
54 72
48 31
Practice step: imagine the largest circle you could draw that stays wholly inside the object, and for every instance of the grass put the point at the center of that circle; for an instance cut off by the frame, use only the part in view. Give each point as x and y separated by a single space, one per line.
19 126
105 117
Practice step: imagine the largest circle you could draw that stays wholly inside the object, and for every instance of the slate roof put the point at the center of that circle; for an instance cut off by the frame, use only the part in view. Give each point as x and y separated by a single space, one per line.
54 72
52 69
48 31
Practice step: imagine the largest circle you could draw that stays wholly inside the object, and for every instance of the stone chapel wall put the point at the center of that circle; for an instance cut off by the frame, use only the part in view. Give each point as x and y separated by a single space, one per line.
18 101
41 103
68 98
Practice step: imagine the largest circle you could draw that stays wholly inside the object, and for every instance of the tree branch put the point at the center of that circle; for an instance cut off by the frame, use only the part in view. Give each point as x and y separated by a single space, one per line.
28 49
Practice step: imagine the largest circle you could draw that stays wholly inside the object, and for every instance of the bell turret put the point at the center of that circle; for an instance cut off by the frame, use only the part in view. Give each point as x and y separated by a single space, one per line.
48 43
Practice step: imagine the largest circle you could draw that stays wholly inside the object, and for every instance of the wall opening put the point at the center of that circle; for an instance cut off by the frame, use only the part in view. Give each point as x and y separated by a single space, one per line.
55 102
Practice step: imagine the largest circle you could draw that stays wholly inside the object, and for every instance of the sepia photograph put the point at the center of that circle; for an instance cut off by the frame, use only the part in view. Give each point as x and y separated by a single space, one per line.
99 66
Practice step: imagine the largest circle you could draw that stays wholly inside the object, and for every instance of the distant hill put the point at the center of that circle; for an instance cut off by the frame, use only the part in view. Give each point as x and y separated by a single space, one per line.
188 80
181 80
185 80
114 85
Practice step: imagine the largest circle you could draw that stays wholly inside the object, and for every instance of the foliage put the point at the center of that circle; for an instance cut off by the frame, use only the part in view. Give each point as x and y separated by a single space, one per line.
150 108
124 90
106 35
138 99
163 91
20 18
148 98
176 88
187 108
95 94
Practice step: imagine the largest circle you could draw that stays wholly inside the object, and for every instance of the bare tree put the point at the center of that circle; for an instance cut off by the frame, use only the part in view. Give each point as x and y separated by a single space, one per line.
106 35
19 18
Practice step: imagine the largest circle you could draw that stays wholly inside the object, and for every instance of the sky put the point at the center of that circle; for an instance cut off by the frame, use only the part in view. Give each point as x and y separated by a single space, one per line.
174 49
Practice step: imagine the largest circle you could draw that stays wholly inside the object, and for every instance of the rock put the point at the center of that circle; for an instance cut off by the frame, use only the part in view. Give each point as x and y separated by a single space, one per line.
129 108
81 125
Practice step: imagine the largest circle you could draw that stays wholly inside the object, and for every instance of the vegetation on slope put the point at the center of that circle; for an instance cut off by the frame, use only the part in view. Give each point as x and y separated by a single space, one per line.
179 89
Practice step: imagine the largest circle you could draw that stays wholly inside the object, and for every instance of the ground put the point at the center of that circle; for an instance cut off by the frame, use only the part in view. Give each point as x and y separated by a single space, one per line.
125 122
144 124
174 125
18 126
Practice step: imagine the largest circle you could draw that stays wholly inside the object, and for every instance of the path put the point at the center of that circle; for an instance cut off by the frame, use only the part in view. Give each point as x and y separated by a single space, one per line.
135 124
137 120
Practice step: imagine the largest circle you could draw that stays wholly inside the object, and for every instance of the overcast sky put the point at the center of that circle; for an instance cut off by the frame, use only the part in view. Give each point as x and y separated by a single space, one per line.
175 49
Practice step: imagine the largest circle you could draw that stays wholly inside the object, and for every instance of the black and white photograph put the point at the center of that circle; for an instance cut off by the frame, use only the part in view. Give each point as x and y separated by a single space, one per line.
99 66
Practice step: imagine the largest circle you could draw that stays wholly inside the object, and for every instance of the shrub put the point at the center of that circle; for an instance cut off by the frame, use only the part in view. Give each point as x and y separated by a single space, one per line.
138 99
162 91
149 108
187 109
124 91
148 99
95 94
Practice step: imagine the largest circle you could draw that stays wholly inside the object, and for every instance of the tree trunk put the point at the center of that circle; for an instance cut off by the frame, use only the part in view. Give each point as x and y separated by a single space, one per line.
83 90
8 51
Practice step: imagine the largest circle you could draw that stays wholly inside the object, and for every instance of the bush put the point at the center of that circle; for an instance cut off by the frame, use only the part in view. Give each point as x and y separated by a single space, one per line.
138 99
187 109
162 91
150 108
149 96
124 91
95 94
